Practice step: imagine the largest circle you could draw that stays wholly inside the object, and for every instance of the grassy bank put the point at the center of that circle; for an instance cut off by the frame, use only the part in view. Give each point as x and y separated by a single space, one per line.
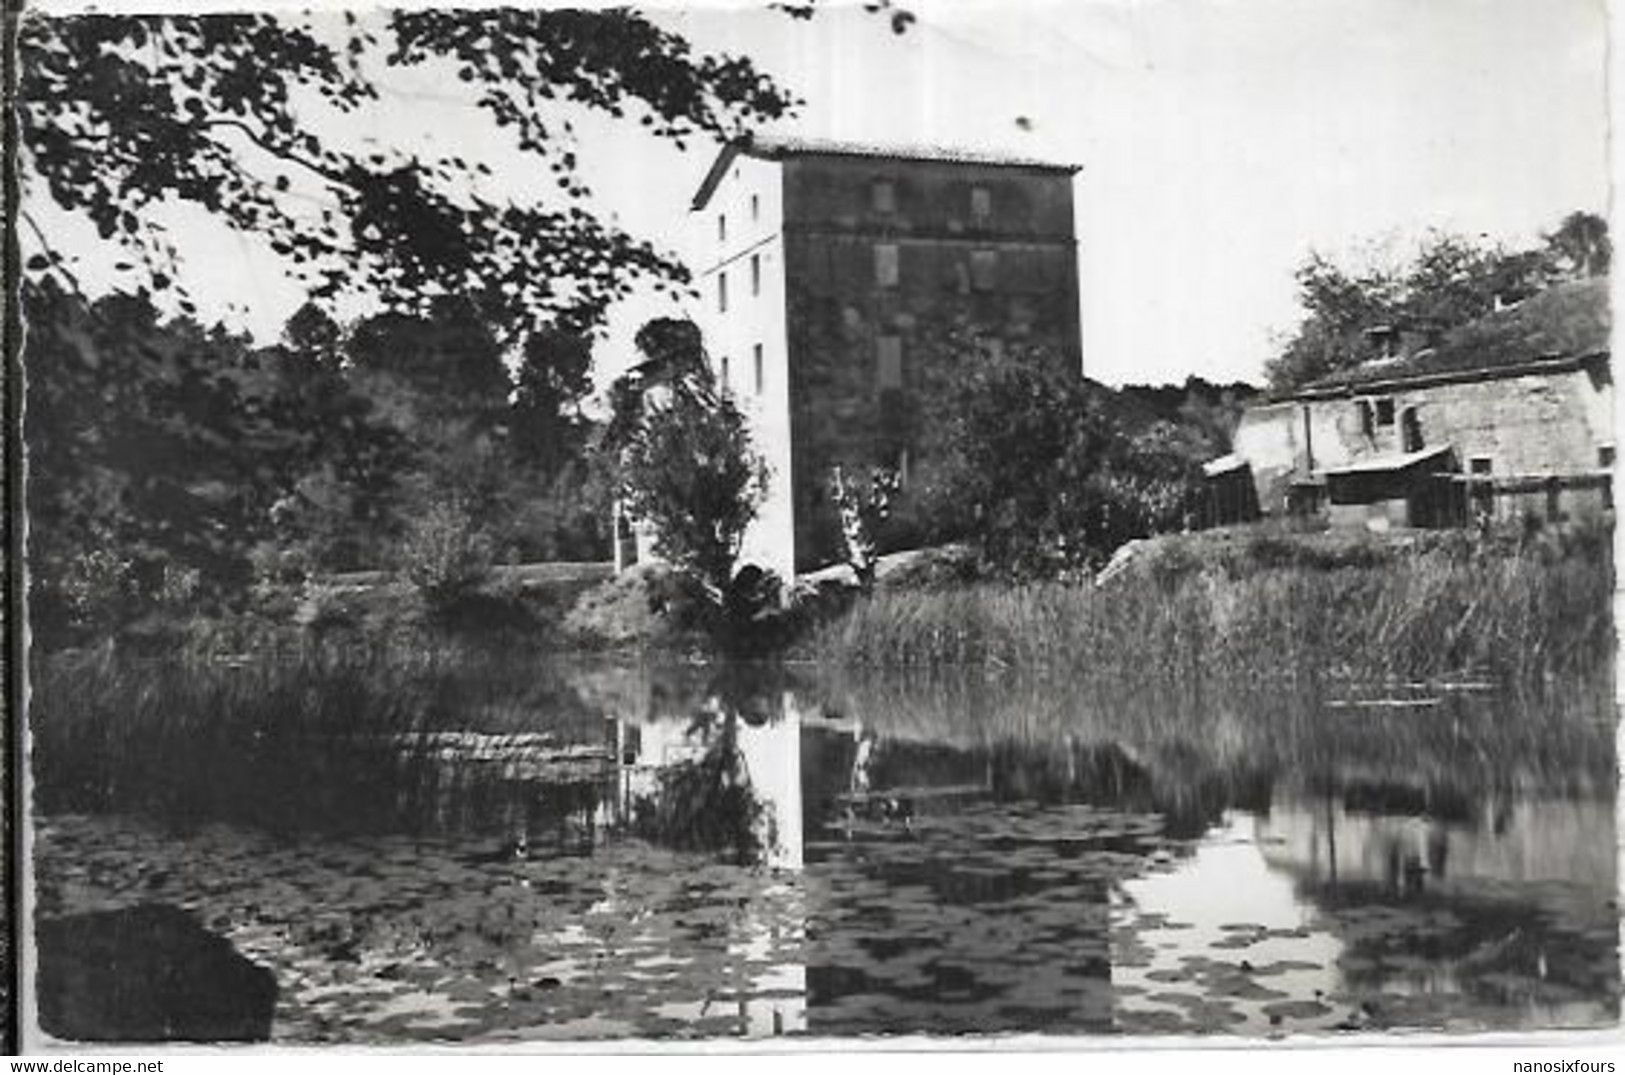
515 607
1235 610
1235 655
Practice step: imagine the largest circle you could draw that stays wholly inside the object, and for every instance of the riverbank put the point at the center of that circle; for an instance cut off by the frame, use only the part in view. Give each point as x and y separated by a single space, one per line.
1187 622
1242 602
284 742
1252 604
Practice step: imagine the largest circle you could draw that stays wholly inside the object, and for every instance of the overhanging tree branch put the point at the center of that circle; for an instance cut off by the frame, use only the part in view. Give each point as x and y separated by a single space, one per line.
280 152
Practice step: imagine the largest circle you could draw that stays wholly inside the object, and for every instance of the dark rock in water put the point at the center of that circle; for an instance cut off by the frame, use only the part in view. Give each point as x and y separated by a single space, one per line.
148 973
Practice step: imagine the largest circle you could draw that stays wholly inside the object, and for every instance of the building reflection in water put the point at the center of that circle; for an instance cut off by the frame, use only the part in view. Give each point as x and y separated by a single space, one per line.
769 997
1505 898
931 882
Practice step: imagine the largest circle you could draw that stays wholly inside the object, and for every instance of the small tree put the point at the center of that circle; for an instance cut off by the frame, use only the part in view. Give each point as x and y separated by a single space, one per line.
687 466
444 553
863 507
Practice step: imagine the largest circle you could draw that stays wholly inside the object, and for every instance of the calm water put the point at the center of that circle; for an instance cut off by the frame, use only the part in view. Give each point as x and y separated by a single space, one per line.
766 853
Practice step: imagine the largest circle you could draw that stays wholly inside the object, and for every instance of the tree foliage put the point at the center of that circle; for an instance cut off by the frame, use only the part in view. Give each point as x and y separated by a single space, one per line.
1580 246
687 466
554 376
121 114
172 465
1052 472
169 447
1207 413
1450 282
863 504
338 485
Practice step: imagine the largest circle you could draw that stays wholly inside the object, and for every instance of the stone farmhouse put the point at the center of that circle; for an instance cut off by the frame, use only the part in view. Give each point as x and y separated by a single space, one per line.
1509 417
842 287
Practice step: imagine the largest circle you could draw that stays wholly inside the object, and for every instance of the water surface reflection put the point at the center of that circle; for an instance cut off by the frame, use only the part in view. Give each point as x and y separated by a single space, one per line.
763 852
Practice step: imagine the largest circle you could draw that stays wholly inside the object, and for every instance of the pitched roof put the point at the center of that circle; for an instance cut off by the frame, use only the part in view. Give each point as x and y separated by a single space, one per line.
780 147
1566 322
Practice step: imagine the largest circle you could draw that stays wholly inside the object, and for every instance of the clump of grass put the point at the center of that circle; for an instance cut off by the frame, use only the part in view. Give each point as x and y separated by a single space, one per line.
319 741
1520 616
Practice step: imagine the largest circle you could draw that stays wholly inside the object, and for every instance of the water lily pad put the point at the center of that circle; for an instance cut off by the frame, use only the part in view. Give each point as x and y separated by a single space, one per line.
1296 1009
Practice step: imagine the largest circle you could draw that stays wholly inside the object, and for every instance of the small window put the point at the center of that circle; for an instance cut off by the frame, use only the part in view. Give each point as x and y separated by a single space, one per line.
1368 425
755 207
984 269
981 204
883 196
726 380
756 362
886 267
1385 412
722 227
722 292
756 274
1605 457
889 363
1481 464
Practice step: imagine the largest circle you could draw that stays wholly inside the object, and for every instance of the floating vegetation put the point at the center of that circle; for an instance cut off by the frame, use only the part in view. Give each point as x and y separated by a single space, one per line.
676 860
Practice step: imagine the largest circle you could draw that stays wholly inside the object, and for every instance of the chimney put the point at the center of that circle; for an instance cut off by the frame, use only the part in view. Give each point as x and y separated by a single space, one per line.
1385 342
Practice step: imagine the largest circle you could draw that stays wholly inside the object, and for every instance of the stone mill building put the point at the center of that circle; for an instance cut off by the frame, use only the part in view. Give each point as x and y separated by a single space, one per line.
842 289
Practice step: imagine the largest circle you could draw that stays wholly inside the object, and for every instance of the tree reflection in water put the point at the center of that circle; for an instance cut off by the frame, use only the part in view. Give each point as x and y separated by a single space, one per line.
740 853
708 803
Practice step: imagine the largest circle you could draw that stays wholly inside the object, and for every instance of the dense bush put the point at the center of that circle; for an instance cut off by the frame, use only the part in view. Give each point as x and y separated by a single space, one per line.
1050 473
444 553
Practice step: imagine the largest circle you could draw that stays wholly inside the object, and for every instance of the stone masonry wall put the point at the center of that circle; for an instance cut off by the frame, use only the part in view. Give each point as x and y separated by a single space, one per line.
873 362
1535 424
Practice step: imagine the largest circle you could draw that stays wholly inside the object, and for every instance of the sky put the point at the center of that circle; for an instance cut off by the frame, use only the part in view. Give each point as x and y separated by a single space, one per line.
1220 142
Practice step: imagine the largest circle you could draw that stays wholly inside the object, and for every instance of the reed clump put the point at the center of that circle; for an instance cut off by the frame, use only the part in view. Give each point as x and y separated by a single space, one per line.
322 740
1446 610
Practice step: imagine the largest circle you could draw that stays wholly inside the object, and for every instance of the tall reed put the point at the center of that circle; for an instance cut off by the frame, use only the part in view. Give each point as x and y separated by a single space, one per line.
1516 617
321 740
